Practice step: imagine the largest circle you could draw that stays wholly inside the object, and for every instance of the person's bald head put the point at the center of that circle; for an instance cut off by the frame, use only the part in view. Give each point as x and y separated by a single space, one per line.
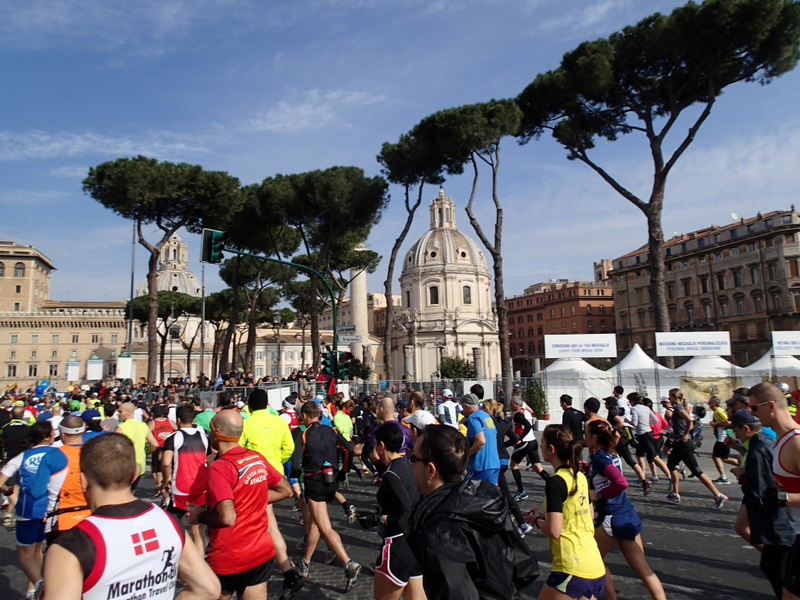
68 426
386 408
228 423
767 392
126 410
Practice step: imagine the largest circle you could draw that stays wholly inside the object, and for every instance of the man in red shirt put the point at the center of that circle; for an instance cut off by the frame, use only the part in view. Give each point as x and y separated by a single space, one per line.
241 483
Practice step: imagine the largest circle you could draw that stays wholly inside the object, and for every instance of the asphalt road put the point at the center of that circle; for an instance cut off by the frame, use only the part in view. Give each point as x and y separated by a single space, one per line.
692 548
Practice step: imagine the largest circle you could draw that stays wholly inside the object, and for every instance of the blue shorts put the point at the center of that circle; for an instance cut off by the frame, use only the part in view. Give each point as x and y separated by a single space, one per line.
287 467
29 531
489 475
624 525
577 587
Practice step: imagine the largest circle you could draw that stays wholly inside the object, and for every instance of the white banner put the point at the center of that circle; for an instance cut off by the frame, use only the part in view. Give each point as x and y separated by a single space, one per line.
693 343
785 343
73 371
124 367
94 369
579 346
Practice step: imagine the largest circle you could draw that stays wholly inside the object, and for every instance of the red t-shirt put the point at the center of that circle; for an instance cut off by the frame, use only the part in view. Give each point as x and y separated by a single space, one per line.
245 477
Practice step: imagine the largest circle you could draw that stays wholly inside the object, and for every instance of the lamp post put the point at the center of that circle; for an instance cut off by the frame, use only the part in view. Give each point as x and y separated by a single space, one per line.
276 320
169 337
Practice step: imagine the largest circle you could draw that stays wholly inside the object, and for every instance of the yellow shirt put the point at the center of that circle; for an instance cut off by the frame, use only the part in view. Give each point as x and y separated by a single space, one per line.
137 432
269 435
575 551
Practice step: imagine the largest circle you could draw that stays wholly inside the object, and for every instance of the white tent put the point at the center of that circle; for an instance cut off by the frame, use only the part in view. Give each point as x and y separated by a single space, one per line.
638 370
771 366
576 377
706 376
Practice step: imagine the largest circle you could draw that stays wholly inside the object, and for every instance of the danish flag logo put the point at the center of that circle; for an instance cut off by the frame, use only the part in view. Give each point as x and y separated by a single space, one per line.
145 541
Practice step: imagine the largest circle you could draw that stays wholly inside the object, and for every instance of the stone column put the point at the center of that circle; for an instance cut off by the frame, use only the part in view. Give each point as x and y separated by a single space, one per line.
477 355
408 361
358 309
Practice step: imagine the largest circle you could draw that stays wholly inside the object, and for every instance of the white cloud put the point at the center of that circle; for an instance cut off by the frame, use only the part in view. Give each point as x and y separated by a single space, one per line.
74 172
37 144
314 111
17 197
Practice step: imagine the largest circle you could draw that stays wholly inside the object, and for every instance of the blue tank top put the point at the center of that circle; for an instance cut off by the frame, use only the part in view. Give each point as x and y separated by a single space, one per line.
27 506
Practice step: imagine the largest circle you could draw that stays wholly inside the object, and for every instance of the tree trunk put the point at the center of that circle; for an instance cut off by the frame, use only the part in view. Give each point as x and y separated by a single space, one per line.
163 352
655 245
387 284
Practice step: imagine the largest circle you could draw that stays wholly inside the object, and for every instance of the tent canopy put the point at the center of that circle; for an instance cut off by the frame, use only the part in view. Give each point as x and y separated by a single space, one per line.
637 360
776 366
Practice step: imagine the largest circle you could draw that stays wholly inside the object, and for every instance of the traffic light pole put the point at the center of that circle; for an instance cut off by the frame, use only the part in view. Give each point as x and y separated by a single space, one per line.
308 270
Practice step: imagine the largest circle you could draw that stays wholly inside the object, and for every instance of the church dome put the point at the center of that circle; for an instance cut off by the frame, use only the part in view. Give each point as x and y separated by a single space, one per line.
443 247
173 272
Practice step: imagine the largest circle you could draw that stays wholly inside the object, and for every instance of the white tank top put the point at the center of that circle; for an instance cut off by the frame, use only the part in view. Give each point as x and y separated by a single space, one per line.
136 557
787 481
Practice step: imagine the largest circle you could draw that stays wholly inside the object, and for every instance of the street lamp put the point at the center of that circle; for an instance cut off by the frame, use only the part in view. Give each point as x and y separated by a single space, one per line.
276 320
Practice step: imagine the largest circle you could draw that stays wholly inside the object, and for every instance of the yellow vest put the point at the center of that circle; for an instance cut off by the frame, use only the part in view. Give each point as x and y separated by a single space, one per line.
268 435
575 551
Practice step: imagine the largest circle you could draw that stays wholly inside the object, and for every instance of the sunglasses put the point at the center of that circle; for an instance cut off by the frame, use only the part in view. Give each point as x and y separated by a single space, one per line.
754 408
413 458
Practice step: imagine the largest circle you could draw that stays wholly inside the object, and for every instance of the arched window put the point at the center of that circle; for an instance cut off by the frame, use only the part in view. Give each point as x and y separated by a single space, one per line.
408 299
434 294
2 269
467 294
19 270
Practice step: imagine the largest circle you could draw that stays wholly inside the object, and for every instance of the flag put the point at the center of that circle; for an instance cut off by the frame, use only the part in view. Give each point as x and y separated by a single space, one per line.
332 387
219 381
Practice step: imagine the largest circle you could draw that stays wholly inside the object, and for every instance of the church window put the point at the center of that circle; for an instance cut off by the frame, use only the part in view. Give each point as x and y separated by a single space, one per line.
467 293
19 270
434 294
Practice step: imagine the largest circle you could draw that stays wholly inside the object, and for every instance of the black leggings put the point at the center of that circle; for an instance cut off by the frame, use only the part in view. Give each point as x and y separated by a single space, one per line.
513 506
624 451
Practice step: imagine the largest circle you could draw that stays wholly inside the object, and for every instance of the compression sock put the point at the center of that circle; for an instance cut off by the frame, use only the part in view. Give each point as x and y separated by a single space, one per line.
517 479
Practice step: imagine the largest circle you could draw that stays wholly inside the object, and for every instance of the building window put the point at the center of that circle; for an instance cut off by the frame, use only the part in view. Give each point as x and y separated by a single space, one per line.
602 309
33 370
588 310
275 355
751 228
259 355
737 278
11 371
704 285
671 291
54 338
602 323
408 299
572 309
530 331
17 289
75 338
33 353
734 251
574 325
539 316
758 303
723 308
589 323
519 319
290 355
552 326
562 311
776 301
755 274
772 271
734 234
740 306
19 270
434 294
13 338
563 326
751 247
259 371
2 269
17 307
96 338
552 313
707 312
34 338
796 296
52 370
687 287
539 330
720 281
467 294
114 338
54 354
690 313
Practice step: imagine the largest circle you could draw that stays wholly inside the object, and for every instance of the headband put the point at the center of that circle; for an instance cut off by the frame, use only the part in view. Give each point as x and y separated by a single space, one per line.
73 430
222 437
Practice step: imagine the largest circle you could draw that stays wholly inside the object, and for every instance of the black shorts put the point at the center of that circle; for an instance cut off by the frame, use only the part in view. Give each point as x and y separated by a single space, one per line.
792 579
683 451
646 446
397 562
155 460
720 450
530 449
319 491
237 582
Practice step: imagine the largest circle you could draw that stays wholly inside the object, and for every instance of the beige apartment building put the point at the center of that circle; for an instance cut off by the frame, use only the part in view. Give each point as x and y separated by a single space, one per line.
743 277
42 338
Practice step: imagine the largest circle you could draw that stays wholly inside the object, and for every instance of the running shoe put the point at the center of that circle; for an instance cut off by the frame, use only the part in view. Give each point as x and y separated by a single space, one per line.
720 501
521 495
654 479
682 472
723 480
330 556
352 515
346 482
525 529
302 567
351 571
292 582
647 487
295 507
10 521
673 497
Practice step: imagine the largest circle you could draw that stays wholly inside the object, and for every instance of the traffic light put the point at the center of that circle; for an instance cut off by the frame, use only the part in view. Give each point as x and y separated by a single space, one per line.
212 245
329 363
344 365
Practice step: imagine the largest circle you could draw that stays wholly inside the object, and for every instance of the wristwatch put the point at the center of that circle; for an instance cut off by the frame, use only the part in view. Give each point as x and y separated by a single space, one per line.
783 498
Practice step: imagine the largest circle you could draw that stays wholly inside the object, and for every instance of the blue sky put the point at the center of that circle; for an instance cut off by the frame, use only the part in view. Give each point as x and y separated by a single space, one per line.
257 88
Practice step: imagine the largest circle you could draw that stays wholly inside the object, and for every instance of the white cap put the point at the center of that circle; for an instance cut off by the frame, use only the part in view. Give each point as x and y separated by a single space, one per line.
420 419
447 393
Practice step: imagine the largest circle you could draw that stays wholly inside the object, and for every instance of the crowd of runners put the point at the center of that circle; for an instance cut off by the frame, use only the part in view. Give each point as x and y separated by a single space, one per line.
449 523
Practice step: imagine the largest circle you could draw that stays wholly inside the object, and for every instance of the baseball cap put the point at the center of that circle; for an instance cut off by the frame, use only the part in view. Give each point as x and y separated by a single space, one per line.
19 403
447 393
470 399
402 403
736 397
743 416
420 419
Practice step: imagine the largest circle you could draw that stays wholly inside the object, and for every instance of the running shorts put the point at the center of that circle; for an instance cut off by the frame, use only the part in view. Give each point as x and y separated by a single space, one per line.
624 525
396 561
720 450
792 579
529 449
319 491
155 460
29 532
238 582
683 451
577 587
646 446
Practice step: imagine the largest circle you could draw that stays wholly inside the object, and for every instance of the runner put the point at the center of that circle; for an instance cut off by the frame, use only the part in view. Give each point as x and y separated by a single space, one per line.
682 451
616 518
522 422
161 427
241 484
127 547
139 434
